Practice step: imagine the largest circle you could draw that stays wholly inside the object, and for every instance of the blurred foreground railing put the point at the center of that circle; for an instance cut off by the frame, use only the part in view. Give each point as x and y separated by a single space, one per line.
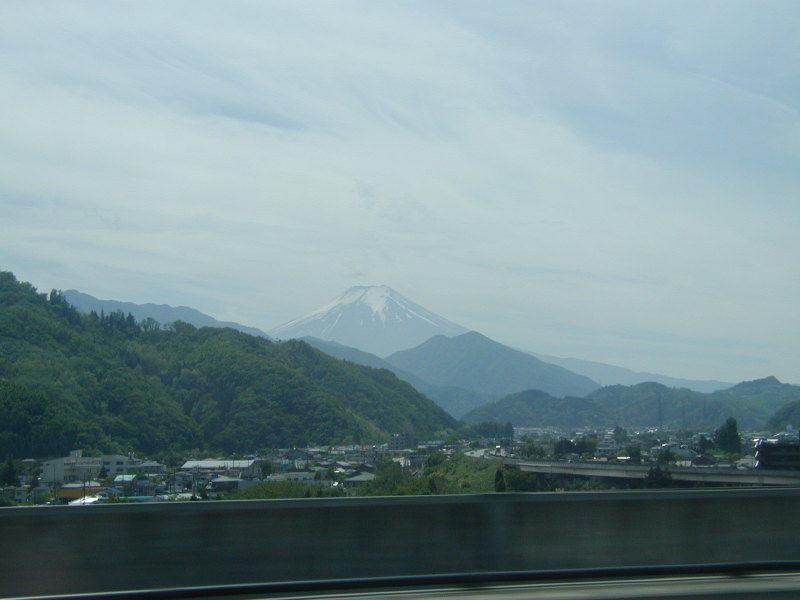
64 550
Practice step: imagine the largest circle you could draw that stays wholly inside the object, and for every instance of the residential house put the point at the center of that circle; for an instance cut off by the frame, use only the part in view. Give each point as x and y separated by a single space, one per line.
358 480
72 491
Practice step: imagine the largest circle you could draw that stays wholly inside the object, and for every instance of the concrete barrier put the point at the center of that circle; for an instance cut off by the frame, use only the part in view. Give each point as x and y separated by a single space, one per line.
59 550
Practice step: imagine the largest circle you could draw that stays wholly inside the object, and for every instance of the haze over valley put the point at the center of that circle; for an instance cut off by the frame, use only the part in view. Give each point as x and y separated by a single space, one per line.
476 378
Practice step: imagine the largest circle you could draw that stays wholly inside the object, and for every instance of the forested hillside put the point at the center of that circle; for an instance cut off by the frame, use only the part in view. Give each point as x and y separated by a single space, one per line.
534 408
162 313
653 404
786 418
752 403
106 382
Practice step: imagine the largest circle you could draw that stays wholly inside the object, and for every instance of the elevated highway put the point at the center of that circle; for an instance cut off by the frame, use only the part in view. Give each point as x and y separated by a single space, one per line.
72 549
703 475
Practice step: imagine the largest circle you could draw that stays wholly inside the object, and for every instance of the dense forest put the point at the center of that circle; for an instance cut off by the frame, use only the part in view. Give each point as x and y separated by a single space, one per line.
109 383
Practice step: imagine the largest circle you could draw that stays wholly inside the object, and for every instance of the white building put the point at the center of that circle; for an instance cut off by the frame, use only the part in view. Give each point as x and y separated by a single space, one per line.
77 467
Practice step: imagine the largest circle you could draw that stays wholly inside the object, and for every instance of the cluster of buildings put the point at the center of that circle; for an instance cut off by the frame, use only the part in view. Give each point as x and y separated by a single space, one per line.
76 476
780 451
79 479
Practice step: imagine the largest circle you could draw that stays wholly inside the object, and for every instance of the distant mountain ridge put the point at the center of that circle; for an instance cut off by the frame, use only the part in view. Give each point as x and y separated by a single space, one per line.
379 301
463 371
163 313
375 319
474 362
605 374
755 404
456 401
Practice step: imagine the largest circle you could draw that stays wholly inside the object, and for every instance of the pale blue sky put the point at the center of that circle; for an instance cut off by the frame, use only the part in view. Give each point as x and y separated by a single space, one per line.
615 181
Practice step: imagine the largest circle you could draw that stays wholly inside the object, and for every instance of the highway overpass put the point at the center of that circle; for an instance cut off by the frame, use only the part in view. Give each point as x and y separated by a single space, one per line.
694 475
73 549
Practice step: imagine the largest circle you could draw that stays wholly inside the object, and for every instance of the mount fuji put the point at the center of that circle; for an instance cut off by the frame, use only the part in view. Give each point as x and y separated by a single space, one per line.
375 319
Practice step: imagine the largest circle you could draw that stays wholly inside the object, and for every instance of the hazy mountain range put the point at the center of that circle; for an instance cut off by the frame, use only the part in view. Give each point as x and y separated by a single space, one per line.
466 373
163 313
458 369
105 383
455 400
752 403
380 321
610 375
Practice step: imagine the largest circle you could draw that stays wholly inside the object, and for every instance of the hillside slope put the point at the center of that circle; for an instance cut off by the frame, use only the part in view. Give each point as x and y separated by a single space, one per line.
474 362
456 401
533 408
69 380
752 403
786 418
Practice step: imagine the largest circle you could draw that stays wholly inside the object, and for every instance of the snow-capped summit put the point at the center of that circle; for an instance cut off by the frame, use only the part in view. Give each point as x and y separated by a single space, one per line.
375 319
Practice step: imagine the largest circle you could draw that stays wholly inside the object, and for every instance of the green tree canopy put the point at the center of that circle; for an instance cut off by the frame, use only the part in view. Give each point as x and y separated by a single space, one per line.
727 437
8 473
107 383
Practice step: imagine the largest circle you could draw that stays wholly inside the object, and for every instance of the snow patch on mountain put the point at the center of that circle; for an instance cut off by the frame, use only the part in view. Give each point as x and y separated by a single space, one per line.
374 319
376 298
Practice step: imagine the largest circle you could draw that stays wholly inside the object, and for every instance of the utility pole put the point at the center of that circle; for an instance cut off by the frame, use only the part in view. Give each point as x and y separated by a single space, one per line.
683 414
660 416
